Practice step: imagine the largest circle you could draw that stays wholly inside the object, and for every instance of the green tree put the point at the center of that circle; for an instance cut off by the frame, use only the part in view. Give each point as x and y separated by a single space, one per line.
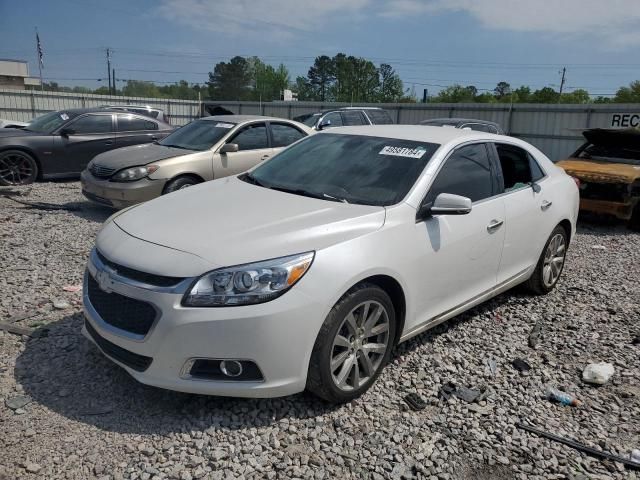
138 88
502 90
321 76
630 94
304 89
390 84
522 95
577 96
456 94
544 95
230 81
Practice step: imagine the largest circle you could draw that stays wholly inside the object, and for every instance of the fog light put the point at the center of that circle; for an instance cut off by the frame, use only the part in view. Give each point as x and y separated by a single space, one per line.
221 370
231 368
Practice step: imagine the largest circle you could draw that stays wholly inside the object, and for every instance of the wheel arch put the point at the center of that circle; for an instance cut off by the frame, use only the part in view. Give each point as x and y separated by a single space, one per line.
183 175
566 224
28 150
392 287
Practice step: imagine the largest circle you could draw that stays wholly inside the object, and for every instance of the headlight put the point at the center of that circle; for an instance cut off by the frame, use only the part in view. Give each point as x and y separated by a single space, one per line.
134 173
248 284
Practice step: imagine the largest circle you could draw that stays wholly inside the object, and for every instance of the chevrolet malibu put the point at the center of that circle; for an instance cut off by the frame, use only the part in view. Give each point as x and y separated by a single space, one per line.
306 271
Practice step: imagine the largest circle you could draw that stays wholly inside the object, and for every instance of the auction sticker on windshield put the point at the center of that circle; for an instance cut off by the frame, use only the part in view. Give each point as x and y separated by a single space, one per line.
417 152
225 125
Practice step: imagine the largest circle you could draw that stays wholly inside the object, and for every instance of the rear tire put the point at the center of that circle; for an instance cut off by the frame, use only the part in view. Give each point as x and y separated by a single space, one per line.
353 345
17 168
179 183
550 264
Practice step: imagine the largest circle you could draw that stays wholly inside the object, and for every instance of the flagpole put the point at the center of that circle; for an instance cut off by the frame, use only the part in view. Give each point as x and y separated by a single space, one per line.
39 58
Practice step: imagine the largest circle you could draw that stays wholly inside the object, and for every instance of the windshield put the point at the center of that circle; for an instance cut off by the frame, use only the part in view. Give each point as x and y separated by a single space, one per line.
614 154
48 122
198 135
349 168
439 123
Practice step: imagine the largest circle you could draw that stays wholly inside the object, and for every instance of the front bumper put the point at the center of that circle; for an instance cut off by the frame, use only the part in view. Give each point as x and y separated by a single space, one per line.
119 194
621 210
278 336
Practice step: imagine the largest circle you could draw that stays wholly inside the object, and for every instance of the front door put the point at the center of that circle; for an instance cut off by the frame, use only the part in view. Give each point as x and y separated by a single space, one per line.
460 254
86 137
253 147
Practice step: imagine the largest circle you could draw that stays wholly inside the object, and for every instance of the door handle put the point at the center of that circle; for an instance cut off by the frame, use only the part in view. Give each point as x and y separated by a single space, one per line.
494 225
154 137
545 205
109 142
264 157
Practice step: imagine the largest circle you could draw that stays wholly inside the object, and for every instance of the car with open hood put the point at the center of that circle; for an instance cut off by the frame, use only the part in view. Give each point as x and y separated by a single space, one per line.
306 271
205 149
608 168
61 144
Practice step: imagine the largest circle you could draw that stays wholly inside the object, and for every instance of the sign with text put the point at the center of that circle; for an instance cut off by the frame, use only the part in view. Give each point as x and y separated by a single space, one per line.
625 120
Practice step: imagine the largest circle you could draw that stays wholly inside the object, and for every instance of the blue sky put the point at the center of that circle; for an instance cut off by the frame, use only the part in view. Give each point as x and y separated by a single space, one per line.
429 42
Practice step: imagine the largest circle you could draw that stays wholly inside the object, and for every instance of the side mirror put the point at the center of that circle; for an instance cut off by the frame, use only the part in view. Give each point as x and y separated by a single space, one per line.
65 132
324 124
445 204
229 148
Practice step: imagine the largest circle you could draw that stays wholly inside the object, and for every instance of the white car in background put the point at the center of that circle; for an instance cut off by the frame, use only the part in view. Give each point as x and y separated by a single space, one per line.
306 271
4 123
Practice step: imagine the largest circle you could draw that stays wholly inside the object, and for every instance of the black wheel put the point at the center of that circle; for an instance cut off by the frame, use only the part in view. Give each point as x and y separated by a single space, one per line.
353 346
634 221
550 265
179 183
17 168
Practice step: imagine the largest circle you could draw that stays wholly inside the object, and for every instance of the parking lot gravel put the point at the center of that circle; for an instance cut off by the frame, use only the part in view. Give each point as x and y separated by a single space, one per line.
67 412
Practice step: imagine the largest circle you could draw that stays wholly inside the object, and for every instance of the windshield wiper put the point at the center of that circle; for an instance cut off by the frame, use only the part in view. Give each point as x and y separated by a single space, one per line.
308 193
247 177
174 146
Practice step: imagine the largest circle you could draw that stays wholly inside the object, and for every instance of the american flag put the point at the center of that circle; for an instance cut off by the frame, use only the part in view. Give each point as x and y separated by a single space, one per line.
40 55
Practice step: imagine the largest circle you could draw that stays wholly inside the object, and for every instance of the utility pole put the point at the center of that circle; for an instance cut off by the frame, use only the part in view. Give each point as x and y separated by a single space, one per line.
564 71
109 68
113 76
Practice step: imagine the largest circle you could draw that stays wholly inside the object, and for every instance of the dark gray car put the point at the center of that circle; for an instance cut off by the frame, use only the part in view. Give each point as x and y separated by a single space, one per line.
61 144
470 123
345 116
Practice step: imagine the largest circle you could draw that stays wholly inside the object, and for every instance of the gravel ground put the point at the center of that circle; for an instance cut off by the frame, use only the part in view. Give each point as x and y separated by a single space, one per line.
66 412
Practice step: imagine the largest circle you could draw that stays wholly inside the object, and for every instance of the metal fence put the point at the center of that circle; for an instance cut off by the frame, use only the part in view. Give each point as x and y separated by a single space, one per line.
554 129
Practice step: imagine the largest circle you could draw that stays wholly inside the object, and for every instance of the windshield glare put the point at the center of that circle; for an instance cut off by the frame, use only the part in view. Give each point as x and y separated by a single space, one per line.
198 135
47 122
311 120
357 169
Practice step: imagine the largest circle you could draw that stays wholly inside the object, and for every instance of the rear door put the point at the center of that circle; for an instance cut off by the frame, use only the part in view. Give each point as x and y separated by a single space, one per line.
134 129
88 135
253 147
528 209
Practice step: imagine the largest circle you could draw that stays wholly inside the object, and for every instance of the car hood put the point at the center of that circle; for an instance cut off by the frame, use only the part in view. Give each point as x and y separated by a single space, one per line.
600 172
137 155
17 132
230 222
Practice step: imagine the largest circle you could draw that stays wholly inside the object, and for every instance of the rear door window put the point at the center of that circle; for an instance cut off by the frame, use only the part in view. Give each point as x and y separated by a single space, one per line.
516 166
379 117
283 135
351 117
131 123
252 137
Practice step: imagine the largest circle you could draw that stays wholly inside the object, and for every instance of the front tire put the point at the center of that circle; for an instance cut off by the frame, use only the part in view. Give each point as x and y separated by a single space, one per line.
353 345
550 264
179 183
17 168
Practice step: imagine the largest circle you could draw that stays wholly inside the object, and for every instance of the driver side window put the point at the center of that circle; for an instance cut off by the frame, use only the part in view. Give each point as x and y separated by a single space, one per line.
334 117
92 124
467 172
252 137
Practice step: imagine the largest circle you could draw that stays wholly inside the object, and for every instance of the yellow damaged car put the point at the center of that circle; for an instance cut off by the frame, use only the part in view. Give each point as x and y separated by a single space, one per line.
608 168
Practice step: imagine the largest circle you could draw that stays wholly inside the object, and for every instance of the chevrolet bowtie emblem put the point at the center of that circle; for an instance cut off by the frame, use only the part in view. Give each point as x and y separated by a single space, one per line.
103 277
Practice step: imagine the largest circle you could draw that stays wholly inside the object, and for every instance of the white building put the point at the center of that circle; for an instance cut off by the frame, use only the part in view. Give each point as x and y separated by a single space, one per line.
15 74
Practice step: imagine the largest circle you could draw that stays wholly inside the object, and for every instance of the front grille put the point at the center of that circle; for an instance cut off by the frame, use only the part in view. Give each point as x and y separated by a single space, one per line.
144 277
613 192
132 360
128 314
101 171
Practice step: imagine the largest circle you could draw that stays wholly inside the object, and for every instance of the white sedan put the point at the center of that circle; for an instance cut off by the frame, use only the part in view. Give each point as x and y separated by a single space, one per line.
306 271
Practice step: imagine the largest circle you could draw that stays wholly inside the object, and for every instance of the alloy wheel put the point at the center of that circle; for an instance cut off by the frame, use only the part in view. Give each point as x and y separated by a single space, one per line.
553 260
360 345
15 169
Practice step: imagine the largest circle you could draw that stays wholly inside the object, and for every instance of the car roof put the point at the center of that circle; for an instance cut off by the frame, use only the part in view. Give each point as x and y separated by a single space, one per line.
459 120
418 133
242 118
